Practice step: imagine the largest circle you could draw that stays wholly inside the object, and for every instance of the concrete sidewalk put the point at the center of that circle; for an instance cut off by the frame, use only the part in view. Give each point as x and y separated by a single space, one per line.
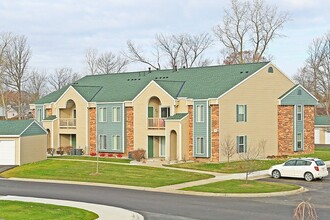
104 212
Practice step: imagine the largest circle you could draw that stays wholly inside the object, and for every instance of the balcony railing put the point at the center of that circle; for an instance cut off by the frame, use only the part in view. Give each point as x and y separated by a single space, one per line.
156 123
68 123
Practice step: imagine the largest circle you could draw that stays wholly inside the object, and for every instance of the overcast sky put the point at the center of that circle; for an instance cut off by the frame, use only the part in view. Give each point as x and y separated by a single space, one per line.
60 31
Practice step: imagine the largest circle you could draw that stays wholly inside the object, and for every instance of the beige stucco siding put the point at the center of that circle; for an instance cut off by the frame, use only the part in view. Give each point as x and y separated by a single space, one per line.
61 110
33 148
140 104
260 93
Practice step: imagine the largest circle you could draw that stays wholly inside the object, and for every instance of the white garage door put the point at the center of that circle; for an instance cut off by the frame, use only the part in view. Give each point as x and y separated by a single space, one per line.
317 135
7 152
327 137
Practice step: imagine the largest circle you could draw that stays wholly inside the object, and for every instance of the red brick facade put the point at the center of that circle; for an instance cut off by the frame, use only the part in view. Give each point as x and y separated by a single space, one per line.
286 130
129 130
309 116
92 129
215 132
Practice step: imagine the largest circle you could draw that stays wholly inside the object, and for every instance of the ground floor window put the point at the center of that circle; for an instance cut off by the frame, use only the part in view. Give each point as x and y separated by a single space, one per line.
299 141
115 142
200 148
241 144
162 147
103 142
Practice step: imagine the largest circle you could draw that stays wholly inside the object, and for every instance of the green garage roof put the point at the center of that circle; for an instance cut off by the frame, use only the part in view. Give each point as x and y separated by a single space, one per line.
196 83
322 120
20 128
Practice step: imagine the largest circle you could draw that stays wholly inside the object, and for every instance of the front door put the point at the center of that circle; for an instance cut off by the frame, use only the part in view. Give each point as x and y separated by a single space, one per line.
150 147
73 141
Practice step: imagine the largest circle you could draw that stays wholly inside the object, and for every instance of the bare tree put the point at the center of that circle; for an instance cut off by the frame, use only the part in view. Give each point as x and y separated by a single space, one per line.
16 57
62 77
91 60
315 74
36 85
108 63
249 28
305 211
228 147
180 50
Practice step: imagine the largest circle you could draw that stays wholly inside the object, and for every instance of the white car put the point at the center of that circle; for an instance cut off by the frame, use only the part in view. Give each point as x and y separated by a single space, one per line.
307 168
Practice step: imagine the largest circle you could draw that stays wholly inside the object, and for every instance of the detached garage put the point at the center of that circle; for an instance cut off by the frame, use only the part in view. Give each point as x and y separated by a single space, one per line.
22 142
322 130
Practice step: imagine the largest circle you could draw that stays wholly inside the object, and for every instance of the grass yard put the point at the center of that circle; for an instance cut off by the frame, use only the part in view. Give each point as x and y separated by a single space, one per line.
13 210
239 166
240 186
90 158
231 167
108 173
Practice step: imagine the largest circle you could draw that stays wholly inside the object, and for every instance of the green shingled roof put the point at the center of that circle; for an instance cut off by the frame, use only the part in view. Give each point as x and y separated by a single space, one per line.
177 116
50 118
196 83
322 120
14 127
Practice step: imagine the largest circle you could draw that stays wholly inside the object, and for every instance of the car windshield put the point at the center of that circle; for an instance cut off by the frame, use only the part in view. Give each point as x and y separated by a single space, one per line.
319 162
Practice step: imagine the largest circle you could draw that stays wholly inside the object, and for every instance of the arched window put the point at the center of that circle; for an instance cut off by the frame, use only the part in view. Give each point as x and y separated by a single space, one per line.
270 69
299 92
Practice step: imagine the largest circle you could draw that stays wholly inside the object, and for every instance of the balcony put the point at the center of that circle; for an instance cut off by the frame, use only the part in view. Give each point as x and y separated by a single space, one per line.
156 123
68 123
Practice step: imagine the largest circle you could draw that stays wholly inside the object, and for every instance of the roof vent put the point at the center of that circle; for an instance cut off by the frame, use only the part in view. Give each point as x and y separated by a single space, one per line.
149 69
246 71
175 68
241 72
156 77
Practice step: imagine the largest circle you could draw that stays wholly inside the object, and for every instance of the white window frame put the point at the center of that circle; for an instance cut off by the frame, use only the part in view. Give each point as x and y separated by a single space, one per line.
299 140
168 111
200 147
199 113
39 114
162 146
103 142
241 144
116 142
241 116
300 113
116 114
103 114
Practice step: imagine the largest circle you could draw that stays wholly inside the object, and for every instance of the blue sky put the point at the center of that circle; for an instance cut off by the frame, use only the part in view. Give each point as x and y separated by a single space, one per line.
59 32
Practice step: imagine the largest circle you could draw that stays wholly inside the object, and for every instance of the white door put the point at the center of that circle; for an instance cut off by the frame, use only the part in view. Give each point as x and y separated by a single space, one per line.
327 137
317 135
7 153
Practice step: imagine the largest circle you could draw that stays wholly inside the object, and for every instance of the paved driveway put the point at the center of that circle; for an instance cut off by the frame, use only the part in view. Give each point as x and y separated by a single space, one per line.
3 168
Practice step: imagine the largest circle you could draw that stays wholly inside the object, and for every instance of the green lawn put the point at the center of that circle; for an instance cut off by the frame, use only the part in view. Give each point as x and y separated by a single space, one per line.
239 166
13 210
90 158
108 173
240 186
231 167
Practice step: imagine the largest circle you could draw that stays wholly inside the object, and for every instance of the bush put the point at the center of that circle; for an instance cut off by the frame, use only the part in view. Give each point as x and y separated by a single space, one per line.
138 154
51 151
110 155
119 155
102 154
67 149
93 154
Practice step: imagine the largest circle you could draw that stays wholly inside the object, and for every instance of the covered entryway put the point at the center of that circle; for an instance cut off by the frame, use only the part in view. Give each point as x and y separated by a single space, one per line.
7 152
173 145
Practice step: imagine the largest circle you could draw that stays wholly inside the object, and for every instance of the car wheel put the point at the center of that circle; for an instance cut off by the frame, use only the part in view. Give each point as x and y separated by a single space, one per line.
308 177
276 174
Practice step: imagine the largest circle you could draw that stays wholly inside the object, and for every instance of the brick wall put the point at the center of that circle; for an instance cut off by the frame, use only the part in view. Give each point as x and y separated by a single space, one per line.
285 129
309 116
92 129
129 130
190 127
215 132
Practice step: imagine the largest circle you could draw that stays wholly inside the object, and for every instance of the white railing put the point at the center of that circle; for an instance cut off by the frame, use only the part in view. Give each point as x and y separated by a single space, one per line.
156 123
67 123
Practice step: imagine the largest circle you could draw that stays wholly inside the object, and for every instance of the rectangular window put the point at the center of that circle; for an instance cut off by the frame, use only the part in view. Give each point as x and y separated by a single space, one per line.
39 115
103 142
199 113
200 149
165 112
241 144
116 114
102 114
162 147
115 142
241 113
299 141
299 112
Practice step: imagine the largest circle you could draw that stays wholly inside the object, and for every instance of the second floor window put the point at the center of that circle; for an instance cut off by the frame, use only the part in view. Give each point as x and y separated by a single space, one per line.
102 114
116 114
165 112
299 112
241 113
199 113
